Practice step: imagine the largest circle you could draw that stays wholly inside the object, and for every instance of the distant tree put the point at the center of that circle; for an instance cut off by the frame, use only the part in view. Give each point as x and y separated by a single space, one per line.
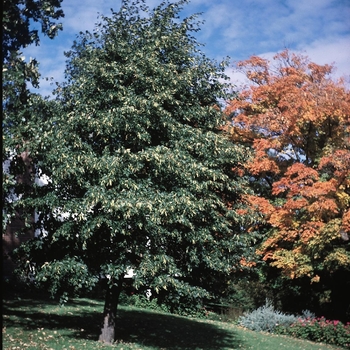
140 175
18 103
297 119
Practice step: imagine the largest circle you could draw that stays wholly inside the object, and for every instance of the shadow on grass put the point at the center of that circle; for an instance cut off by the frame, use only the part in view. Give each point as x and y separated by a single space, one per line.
172 332
135 326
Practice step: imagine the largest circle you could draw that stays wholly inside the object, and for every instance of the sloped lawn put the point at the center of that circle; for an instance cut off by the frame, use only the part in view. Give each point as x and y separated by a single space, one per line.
37 323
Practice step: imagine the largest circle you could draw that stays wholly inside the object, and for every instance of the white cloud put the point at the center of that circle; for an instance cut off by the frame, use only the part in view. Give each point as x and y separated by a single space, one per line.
82 16
322 51
237 28
328 50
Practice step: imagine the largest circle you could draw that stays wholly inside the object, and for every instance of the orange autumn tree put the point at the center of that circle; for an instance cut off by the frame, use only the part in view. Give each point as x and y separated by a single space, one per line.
297 119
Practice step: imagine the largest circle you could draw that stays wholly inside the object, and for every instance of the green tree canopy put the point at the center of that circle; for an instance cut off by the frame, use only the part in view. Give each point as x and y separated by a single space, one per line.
18 15
140 175
19 105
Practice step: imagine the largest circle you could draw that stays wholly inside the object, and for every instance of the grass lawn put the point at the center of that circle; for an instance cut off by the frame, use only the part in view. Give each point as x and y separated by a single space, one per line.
37 323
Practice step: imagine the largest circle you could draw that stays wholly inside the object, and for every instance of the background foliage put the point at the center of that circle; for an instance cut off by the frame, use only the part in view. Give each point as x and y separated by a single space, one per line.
297 120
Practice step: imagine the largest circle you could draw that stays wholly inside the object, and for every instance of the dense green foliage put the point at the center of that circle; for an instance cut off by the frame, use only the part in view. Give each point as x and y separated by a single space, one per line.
140 177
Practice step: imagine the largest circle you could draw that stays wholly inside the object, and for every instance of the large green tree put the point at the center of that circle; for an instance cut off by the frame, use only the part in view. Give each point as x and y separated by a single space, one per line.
140 175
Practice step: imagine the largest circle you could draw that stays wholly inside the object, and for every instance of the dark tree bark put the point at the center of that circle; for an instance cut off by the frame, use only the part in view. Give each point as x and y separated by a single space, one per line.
107 334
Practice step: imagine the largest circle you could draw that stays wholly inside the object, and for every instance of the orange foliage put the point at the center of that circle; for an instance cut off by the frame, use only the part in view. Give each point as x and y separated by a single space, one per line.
260 204
244 262
297 120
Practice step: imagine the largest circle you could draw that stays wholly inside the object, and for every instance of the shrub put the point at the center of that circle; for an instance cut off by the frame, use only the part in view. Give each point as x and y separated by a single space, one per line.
265 318
318 330
164 305
141 301
307 314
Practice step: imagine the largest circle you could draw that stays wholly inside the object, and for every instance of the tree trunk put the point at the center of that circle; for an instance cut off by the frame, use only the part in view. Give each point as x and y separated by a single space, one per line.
110 312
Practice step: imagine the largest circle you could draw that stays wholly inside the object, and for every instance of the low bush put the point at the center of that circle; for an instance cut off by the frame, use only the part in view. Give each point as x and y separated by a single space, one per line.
265 318
187 309
141 301
318 330
307 326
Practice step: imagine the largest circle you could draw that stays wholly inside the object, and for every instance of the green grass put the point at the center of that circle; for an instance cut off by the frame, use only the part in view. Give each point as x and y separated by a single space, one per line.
34 323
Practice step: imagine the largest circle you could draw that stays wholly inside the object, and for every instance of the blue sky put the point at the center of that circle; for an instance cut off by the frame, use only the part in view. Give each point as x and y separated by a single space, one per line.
319 29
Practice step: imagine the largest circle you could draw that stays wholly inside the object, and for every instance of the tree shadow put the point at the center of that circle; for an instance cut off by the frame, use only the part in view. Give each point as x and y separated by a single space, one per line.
165 331
134 326
46 313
